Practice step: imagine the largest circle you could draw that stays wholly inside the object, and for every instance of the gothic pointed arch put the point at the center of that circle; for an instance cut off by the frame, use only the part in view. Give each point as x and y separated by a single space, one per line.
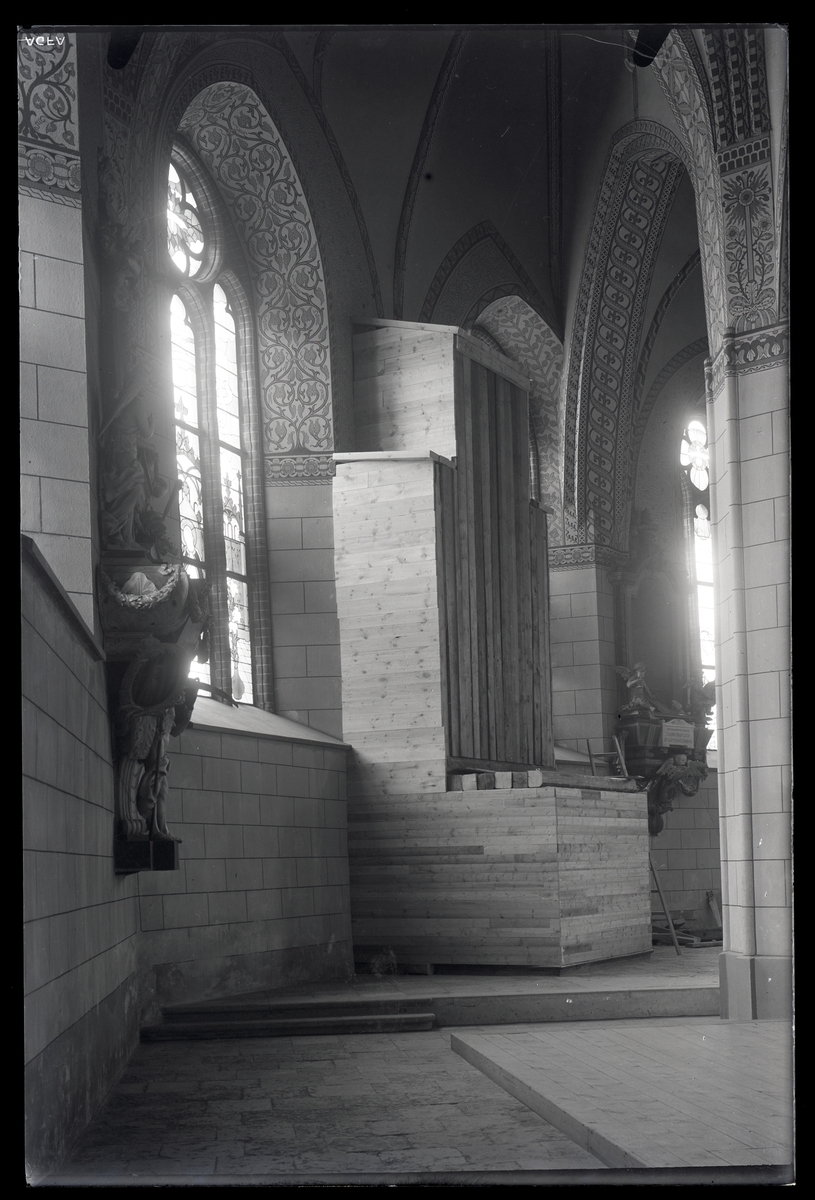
642 172
480 268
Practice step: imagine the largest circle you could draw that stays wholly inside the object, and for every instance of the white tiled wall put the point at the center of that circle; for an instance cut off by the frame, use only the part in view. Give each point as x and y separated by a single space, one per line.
584 687
55 469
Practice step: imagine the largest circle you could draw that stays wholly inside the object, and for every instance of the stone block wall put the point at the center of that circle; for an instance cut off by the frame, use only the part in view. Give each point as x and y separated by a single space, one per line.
305 628
55 486
749 422
81 921
261 898
688 858
584 684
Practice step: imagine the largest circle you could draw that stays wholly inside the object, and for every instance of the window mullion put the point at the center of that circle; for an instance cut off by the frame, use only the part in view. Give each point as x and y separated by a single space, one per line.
220 657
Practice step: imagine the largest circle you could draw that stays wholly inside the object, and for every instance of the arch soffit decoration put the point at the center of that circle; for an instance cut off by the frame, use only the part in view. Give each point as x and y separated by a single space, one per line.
173 72
733 183
234 135
524 336
639 181
221 110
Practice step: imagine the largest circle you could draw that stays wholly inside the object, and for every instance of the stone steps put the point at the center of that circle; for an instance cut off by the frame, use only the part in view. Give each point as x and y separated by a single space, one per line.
239 1024
263 1016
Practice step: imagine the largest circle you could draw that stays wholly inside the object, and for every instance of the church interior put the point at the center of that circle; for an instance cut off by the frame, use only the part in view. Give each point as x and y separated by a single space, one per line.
404 516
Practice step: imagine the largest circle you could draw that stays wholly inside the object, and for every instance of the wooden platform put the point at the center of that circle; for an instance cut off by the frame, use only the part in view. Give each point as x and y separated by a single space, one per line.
546 877
659 1093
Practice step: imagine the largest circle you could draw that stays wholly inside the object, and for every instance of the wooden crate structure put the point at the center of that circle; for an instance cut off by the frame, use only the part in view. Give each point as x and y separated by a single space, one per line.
541 877
440 561
442 596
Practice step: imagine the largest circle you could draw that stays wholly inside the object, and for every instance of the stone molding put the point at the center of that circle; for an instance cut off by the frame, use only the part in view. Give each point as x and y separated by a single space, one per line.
680 359
682 77
656 324
567 558
293 469
40 193
760 350
40 164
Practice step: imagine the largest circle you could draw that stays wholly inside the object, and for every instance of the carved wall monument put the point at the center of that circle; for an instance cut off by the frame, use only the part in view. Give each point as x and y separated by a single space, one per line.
153 617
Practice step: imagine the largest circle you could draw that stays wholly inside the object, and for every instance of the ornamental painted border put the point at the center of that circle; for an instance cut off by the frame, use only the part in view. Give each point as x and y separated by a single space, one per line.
568 558
634 139
234 134
294 469
632 145
761 350
52 168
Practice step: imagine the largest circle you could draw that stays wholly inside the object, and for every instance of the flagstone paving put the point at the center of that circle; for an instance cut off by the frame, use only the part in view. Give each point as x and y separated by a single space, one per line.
361 1103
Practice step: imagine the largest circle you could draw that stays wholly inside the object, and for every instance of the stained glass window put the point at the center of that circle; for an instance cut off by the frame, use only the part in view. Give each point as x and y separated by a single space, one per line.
209 450
231 461
694 457
185 236
188 454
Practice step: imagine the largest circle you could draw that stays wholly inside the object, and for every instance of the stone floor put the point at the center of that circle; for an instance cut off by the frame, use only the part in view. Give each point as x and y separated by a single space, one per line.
358 1108
295 1108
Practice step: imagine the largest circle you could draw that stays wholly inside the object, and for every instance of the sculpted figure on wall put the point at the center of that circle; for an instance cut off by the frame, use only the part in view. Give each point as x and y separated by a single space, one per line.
156 699
131 479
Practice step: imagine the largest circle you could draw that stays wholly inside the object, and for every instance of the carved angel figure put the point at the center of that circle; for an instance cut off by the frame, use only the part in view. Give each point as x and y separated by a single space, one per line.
677 773
638 694
701 698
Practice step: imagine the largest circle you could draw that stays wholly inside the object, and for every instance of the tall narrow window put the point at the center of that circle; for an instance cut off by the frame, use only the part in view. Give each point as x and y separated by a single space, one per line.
210 454
694 457
231 462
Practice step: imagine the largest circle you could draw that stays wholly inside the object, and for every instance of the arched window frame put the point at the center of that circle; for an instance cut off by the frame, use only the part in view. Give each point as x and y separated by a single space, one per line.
222 264
695 498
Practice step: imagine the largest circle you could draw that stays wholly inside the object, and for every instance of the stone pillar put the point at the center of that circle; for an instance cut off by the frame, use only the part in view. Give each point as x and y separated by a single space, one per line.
748 430
582 639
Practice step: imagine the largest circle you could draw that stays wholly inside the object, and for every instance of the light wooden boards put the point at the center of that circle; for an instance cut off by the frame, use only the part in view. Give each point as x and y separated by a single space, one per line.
544 877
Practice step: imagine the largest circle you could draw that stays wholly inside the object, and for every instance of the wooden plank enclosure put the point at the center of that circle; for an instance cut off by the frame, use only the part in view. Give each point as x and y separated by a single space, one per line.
421 391
442 597
493 581
387 603
546 877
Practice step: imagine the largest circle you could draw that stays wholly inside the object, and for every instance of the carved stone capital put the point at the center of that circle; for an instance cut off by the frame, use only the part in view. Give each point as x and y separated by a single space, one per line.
744 353
566 558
